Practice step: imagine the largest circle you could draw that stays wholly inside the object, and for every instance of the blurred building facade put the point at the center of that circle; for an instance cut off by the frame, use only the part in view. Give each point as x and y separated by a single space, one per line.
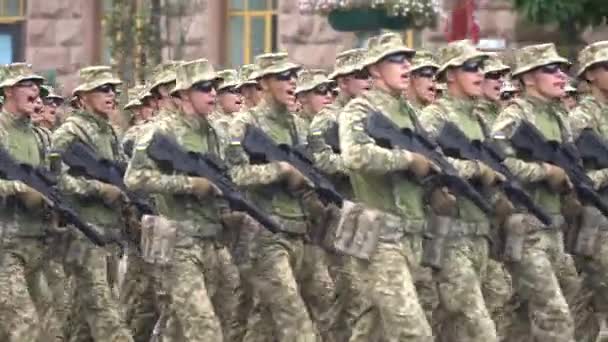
60 36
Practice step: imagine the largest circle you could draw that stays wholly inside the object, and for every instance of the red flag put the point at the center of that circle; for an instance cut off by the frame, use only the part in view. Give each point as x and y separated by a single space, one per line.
463 22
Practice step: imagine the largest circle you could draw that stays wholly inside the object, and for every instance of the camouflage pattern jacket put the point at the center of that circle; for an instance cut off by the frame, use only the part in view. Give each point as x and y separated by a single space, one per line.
550 120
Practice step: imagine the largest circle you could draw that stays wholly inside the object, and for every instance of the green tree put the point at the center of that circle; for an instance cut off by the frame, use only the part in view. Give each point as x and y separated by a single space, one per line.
571 16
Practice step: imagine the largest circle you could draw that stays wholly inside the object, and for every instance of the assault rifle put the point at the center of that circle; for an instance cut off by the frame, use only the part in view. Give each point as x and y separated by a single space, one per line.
455 143
530 143
83 161
387 134
593 149
332 137
43 181
168 154
262 149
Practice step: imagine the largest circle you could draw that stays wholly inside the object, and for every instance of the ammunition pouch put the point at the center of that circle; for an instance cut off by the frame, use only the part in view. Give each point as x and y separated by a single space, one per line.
434 243
516 228
585 243
158 239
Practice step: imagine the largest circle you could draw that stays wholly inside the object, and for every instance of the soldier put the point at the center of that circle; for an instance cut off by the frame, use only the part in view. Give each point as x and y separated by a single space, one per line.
250 88
380 183
590 114
96 314
23 220
465 316
163 81
141 110
494 73
191 203
313 92
422 90
277 187
230 100
508 93
543 274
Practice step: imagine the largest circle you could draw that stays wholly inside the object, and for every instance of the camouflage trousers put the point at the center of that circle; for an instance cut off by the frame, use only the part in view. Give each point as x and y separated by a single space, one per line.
497 289
545 281
96 314
462 313
21 260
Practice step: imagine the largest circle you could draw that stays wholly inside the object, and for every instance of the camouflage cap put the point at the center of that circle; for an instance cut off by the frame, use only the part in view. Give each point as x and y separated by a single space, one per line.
508 87
348 62
49 92
384 45
164 73
230 79
248 74
494 64
1 99
274 63
95 76
133 96
456 53
145 92
534 56
441 86
423 59
570 88
309 79
592 54
190 73
17 72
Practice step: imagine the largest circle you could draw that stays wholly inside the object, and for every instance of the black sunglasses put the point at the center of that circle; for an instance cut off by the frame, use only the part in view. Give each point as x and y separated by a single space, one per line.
205 86
472 65
322 90
553 68
286 75
398 58
494 75
106 88
230 90
361 74
426 72
601 65
52 102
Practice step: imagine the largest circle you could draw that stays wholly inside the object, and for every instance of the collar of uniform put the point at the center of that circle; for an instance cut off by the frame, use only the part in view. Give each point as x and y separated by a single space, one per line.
541 103
342 100
16 120
461 105
487 106
194 122
274 112
590 102
103 124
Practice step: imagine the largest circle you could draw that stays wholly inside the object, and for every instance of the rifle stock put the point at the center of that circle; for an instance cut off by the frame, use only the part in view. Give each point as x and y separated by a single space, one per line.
167 152
593 149
455 143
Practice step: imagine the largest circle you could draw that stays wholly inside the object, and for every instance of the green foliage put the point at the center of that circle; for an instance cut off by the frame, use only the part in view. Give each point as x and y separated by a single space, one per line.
581 13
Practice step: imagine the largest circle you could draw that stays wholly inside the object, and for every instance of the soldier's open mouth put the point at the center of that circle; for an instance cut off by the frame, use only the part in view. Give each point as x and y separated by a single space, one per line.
291 92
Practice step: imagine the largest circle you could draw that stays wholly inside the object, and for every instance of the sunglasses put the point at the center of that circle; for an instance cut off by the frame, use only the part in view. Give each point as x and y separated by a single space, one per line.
205 86
553 68
494 75
601 65
286 75
230 90
361 75
473 65
322 90
424 72
27 84
398 58
52 102
106 88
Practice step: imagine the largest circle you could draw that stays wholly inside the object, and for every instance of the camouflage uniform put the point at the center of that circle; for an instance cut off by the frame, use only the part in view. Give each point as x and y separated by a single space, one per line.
465 316
422 59
592 113
277 259
22 233
387 279
545 276
96 314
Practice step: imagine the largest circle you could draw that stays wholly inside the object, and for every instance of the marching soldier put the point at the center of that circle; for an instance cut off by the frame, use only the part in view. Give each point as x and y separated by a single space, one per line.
96 314
395 199
465 316
422 89
250 88
593 234
543 273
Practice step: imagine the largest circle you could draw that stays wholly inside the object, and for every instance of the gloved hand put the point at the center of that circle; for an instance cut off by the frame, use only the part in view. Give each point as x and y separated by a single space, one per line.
503 208
571 206
443 203
31 198
203 187
294 178
487 176
557 178
109 193
420 165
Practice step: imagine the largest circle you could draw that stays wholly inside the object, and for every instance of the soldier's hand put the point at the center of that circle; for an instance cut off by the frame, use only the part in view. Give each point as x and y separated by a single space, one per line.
294 178
571 206
557 178
487 176
109 193
443 203
503 208
203 187
420 165
31 198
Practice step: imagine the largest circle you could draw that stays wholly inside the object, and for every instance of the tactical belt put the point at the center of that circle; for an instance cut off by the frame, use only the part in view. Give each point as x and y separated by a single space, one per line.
464 229
393 227
535 225
299 227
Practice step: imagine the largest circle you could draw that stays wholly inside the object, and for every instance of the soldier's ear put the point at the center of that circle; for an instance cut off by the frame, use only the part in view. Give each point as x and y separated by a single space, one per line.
450 75
264 84
589 75
374 70
528 79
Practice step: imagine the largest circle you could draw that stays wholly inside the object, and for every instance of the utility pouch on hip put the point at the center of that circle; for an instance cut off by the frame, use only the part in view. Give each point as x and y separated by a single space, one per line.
356 232
434 244
588 233
516 229
158 239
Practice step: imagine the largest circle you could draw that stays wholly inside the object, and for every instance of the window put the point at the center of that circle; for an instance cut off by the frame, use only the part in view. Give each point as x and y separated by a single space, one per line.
252 28
12 14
